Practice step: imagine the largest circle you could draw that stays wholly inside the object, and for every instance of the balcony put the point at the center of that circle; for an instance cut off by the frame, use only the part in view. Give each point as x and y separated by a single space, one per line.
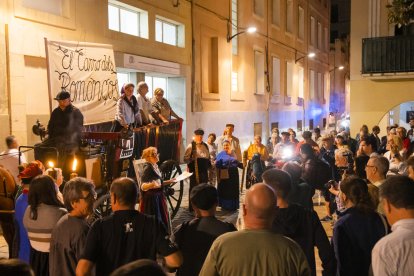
392 54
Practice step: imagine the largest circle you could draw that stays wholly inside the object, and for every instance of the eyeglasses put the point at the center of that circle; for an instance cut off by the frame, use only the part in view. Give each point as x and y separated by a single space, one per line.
89 197
156 155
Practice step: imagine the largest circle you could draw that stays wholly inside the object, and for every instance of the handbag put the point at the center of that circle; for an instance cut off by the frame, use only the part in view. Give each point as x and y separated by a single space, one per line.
224 174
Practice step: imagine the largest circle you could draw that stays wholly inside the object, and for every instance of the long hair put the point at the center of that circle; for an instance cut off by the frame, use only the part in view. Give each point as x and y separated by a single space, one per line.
356 190
42 190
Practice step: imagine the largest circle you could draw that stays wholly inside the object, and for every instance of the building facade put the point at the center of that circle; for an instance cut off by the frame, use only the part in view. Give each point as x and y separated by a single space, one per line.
256 81
381 72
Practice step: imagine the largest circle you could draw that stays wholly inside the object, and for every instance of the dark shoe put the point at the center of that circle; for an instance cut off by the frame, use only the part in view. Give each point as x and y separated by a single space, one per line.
327 218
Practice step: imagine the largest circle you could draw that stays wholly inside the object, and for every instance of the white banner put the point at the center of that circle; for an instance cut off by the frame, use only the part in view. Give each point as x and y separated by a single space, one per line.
87 71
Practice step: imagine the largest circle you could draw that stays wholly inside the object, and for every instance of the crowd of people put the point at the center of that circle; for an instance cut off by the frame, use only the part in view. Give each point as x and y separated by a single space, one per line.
367 183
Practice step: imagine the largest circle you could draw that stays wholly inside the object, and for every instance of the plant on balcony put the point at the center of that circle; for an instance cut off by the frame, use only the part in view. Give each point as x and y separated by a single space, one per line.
401 12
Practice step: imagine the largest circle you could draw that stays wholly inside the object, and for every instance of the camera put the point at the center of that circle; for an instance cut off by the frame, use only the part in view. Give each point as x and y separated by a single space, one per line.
330 184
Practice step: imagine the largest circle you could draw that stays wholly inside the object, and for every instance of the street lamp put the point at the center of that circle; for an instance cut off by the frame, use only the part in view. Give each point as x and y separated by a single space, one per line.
309 55
248 30
340 67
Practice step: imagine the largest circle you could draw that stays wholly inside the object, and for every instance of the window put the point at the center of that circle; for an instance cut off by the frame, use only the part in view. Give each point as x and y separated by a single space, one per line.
127 19
156 82
166 32
312 84
301 23
234 82
49 6
326 39
258 7
313 31
301 89
320 87
319 35
276 76
169 32
334 13
289 78
326 86
234 25
123 78
289 16
259 68
209 63
276 12
334 35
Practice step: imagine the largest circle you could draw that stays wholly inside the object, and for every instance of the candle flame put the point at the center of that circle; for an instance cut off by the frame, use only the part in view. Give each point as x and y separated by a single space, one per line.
51 164
75 164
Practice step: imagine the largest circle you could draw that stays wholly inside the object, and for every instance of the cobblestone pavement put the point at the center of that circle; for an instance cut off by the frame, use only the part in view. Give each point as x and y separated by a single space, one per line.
233 217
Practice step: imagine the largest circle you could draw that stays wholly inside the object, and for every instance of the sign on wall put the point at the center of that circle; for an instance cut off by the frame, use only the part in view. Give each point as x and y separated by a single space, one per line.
87 71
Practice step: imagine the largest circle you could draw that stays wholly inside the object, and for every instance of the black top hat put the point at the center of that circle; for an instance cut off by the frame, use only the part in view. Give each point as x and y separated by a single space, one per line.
63 95
199 131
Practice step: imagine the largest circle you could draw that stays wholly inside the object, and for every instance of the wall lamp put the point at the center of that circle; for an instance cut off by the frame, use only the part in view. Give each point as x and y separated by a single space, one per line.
310 55
248 30
340 67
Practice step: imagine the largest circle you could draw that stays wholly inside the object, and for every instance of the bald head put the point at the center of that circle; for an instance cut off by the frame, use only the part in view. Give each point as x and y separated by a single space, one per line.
259 206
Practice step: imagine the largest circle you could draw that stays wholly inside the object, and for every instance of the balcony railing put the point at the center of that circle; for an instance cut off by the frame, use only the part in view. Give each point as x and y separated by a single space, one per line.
392 54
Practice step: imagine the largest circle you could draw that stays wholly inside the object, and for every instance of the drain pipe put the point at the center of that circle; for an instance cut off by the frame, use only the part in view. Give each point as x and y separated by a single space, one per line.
192 59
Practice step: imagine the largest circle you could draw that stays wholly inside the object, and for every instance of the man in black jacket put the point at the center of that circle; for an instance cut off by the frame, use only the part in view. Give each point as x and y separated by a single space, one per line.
301 225
65 130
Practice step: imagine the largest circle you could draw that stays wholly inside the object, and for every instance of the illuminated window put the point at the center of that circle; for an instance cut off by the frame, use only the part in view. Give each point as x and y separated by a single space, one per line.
312 84
300 82
166 32
289 78
156 82
123 78
127 19
234 82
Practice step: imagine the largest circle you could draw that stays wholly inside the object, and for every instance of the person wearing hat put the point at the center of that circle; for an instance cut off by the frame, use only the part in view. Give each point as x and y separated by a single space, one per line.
31 171
197 157
195 237
233 140
65 130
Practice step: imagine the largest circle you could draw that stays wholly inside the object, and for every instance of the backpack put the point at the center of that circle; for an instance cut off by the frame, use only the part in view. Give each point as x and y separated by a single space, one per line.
317 173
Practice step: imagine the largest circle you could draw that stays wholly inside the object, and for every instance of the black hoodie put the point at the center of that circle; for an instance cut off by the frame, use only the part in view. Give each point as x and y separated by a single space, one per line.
303 226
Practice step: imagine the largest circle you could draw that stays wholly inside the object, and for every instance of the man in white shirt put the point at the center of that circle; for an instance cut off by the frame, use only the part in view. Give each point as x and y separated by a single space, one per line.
9 159
233 140
144 103
393 254
376 169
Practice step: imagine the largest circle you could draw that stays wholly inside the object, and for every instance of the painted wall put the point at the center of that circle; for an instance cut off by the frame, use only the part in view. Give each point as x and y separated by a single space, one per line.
87 21
216 109
82 21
